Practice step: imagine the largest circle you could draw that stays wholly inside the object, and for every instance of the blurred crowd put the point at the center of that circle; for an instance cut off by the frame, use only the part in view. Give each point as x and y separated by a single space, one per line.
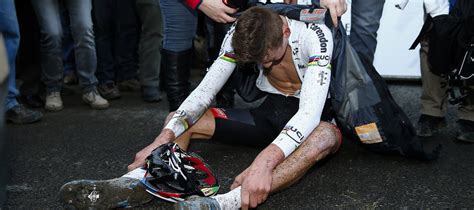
110 46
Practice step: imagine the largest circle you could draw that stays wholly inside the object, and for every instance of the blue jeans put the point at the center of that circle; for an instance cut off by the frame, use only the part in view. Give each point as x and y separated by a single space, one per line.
365 17
180 25
68 43
49 19
11 33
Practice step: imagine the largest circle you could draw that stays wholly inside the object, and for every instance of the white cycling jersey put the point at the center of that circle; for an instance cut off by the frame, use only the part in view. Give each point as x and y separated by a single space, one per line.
311 46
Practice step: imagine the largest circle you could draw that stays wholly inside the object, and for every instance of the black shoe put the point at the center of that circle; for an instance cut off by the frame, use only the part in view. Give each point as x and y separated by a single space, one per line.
19 114
429 125
109 91
466 131
129 85
151 94
33 101
104 194
70 78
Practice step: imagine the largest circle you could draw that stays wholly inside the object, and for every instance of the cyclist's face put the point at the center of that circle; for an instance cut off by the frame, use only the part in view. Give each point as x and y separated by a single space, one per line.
274 56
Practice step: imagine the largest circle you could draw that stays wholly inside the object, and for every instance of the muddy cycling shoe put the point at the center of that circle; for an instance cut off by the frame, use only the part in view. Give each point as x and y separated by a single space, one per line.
121 192
198 203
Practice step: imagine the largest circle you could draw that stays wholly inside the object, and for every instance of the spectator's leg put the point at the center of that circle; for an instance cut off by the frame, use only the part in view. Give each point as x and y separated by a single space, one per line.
150 46
68 48
47 12
433 94
466 120
85 51
28 68
11 33
180 28
84 44
126 42
15 112
433 98
3 142
365 16
104 27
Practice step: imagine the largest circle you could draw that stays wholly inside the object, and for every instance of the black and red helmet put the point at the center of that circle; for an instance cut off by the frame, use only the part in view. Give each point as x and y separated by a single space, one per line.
173 174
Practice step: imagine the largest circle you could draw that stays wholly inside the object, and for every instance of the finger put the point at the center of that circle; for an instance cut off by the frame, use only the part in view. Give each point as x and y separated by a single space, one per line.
245 200
254 199
131 167
229 10
340 10
235 184
345 6
227 19
334 16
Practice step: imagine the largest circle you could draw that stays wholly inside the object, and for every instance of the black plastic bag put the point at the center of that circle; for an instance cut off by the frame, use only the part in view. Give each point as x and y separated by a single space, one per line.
364 108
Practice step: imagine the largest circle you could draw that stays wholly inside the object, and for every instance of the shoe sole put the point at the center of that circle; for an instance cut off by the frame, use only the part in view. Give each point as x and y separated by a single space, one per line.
54 109
464 140
105 106
112 97
115 193
99 107
25 121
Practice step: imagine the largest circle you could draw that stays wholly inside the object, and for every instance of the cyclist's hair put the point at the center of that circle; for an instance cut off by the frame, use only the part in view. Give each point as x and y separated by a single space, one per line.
257 31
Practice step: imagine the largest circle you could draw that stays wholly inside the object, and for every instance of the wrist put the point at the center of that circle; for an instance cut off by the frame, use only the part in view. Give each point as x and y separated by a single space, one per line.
166 136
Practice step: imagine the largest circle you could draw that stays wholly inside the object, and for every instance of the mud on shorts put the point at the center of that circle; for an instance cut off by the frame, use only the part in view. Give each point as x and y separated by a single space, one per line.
261 125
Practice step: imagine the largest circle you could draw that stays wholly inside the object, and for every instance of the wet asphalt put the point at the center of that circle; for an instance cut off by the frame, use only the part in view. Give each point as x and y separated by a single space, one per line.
81 143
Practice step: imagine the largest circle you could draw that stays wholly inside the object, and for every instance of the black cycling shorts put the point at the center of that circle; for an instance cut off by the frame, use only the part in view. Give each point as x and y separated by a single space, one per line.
258 126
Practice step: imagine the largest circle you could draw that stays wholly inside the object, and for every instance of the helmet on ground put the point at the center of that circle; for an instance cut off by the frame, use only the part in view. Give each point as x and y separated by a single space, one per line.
173 174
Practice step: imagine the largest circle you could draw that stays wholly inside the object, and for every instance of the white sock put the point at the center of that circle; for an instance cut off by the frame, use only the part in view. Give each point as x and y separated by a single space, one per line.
137 173
230 200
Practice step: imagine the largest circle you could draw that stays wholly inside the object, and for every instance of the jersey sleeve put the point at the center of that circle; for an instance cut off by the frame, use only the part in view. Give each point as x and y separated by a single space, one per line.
200 99
314 90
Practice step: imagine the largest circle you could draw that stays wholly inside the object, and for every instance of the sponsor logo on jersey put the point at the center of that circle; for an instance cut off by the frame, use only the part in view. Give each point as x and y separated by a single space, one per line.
293 133
301 66
322 78
322 38
319 60
295 51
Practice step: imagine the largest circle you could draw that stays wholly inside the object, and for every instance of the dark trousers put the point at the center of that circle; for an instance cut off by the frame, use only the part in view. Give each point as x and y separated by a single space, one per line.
3 144
116 32
151 38
28 57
